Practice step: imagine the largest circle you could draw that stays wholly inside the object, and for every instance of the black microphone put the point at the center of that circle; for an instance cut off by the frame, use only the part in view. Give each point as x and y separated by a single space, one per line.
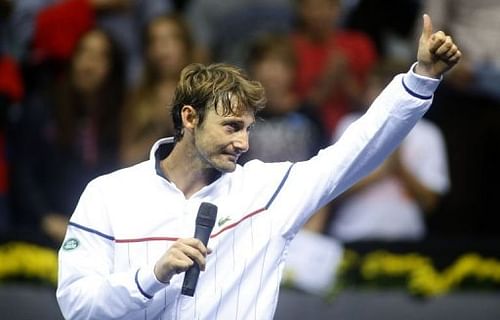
205 221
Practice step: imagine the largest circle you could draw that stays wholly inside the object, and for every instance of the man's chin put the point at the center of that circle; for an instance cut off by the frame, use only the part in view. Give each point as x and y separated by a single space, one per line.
226 167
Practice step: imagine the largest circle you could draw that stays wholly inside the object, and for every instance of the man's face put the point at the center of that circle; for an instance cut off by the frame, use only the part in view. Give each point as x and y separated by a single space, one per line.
220 140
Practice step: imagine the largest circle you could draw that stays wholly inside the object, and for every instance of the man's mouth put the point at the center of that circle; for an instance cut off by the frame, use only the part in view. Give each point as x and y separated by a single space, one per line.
232 156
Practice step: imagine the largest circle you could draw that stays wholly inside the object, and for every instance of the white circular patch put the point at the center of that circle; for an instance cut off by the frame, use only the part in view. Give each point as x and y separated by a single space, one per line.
70 244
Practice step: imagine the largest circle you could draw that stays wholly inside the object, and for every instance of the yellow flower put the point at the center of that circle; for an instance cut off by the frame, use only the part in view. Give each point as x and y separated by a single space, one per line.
422 277
25 260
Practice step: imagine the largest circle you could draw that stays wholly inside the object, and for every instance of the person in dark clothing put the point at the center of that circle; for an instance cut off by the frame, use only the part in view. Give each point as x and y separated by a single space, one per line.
282 132
67 138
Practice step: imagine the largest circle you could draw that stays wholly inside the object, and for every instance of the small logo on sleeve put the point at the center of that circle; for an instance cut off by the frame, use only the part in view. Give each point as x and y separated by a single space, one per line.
70 244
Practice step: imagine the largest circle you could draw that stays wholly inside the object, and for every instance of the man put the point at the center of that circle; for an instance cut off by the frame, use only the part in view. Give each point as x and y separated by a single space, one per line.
130 238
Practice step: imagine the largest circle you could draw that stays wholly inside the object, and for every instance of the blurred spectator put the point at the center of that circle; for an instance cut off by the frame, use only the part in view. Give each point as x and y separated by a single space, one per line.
467 108
11 93
474 25
389 23
333 64
224 30
390 203
66 139
282 133
147 118
51 28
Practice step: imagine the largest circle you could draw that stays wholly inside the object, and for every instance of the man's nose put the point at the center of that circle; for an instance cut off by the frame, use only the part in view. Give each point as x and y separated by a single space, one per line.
241 142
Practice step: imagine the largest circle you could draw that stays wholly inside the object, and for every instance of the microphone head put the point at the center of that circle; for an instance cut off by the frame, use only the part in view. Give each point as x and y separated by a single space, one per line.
207 214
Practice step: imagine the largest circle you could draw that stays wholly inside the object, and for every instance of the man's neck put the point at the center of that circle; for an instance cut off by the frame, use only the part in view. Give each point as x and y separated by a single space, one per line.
184 168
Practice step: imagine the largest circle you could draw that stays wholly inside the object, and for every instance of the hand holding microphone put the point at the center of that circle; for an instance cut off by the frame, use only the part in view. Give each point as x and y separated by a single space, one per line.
188 254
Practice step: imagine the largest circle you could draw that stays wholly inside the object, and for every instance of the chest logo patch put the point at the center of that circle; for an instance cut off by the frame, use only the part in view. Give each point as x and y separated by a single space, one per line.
70 244
223 220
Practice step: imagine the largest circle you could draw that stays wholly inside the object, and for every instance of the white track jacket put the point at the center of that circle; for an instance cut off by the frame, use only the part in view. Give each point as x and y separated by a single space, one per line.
126 220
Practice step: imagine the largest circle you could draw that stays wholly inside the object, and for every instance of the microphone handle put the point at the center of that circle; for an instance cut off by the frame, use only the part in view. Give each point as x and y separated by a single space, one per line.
191 276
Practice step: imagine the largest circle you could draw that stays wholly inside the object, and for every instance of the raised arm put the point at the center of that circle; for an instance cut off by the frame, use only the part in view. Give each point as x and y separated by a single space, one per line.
368 141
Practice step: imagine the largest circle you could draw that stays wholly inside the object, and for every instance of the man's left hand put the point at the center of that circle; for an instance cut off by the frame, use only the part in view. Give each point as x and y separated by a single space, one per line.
437 53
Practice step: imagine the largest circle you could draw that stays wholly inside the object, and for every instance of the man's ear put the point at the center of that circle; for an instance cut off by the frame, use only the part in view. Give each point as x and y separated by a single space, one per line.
189 117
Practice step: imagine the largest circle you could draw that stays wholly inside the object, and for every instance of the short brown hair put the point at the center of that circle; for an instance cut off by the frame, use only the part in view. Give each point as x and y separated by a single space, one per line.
203 87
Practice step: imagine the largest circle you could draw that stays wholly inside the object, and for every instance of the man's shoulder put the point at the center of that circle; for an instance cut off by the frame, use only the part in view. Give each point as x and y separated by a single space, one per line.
259 170
125 176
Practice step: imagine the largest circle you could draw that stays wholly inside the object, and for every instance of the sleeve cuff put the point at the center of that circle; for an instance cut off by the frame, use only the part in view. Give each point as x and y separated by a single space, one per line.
147 283
420 86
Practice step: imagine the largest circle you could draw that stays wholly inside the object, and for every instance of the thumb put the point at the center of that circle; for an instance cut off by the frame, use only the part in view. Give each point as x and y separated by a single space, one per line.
427 27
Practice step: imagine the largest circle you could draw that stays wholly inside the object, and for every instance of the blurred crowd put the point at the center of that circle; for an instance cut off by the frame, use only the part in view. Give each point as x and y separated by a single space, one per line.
86 86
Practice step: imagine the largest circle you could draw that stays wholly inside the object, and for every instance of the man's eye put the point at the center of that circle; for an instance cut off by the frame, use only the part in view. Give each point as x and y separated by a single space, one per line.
233 127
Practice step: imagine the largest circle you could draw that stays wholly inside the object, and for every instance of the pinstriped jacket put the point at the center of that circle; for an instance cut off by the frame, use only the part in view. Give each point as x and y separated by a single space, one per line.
127 219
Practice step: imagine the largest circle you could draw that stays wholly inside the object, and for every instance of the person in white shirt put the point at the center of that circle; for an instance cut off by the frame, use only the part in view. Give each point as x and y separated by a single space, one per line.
391 202
130 238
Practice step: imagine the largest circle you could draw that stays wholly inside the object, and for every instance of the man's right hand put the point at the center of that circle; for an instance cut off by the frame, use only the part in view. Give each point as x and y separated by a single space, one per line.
180 257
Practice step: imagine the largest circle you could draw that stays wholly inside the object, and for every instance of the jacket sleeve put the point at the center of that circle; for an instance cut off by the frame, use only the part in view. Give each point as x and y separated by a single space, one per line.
364 145
88 287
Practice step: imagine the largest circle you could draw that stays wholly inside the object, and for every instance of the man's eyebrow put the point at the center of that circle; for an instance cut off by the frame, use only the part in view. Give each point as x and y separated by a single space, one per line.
237 121
232 120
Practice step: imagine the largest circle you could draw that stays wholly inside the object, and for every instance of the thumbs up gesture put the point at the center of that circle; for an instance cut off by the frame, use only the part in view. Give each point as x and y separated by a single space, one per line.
437 53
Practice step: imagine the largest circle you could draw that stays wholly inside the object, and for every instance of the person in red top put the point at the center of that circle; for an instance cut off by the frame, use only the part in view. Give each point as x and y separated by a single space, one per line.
11 93
59 24
333 64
